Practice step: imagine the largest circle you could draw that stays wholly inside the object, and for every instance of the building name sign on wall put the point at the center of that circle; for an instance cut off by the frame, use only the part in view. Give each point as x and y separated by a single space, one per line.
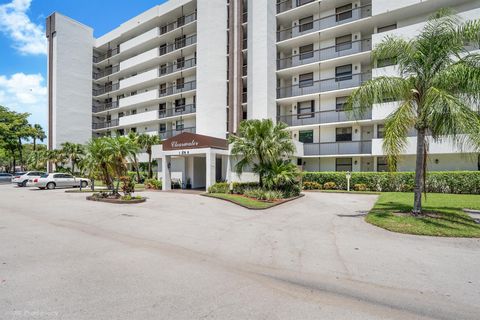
191 144
189 140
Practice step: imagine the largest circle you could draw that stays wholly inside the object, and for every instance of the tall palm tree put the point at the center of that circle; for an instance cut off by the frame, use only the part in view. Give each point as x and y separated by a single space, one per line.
135 141
260 143
37 133
73 152
147 142
438 87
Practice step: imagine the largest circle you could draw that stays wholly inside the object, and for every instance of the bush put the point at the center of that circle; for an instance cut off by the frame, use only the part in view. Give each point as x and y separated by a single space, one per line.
219 187
309 185
467 182
360 187
129 197
256 193
271 195
153 184
239 187
128 185
330 185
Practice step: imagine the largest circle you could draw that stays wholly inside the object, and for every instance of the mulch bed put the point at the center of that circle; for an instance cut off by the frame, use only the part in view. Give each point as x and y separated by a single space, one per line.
116 201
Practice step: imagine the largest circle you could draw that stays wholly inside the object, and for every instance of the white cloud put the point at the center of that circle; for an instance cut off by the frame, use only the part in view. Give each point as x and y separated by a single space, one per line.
28 37
25 93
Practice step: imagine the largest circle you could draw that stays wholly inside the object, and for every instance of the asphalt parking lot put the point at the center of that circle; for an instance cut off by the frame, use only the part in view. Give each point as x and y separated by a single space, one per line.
184 256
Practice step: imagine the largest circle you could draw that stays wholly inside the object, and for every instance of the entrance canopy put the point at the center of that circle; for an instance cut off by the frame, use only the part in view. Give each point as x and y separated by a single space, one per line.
187 140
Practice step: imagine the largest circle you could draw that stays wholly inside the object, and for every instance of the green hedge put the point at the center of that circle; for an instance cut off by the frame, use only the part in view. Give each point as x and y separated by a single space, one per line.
467 182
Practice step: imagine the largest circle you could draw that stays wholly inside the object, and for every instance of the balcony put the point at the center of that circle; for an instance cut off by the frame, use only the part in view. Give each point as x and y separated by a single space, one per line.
244 70
178 88
314 87
171 133
180 22
139 98
322 117
337 148
105 106
244 97
110 53
286 5
138 40
171 68
105 72
341 50
105 89
325 22
177 111
164 49
105 124
138 118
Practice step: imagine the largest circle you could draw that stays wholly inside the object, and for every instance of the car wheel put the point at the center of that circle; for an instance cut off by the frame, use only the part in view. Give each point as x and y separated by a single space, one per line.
50 185
24 183
41 188
84 184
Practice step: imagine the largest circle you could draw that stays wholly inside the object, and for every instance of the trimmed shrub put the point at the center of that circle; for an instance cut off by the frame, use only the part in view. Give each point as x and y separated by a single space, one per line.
219 187
330 185
360 187
271 195
153 184
467 182
309 185
239 187
256 193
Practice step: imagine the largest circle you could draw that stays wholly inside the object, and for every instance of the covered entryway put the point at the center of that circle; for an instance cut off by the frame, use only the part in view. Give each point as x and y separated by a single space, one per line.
193 161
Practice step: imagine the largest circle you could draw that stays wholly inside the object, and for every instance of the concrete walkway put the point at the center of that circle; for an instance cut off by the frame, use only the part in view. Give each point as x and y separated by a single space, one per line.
183 256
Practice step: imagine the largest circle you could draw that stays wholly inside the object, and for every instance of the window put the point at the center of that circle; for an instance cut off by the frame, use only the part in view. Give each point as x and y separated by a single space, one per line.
340 103
387 28
180 105
163 127
343 164
163 49
305 24
163 29
382 164
305 80
306 109
180 21
306 52
180 42
133 93
180 63
133 130
120 114
343 134
58 175
163 69
162 106
343 43
302 2
380 131
179 125
163 88
343 73
134 111
305 136
180 83
343 12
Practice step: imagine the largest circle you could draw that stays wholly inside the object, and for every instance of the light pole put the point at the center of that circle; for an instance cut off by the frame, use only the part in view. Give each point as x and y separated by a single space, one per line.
348 175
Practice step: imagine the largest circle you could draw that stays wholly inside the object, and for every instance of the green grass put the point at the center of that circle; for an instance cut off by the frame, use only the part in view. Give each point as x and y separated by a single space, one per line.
241 200
450 222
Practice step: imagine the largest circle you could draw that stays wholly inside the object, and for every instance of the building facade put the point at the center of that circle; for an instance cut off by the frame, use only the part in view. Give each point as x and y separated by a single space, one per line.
191 70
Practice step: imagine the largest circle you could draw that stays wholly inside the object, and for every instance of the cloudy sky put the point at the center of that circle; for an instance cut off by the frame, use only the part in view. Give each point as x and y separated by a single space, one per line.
23 60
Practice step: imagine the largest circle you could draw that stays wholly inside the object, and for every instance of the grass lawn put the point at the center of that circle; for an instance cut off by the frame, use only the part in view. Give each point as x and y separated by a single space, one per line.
449 221
241 200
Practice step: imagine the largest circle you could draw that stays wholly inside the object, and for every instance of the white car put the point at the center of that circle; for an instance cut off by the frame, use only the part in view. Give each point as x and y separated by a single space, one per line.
21 178
58 180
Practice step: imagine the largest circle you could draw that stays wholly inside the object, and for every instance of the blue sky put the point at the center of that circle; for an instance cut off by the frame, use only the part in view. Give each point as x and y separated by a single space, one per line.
23 60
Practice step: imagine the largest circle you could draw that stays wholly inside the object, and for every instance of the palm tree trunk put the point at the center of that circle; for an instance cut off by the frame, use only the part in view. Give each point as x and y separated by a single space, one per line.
20 152
137 168
34 144
419 172
150 173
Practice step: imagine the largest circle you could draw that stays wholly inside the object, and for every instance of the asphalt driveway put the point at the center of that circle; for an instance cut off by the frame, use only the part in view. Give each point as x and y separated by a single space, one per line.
183 256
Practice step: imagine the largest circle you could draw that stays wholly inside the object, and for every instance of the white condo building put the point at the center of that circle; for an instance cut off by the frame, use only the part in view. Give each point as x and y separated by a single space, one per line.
191 70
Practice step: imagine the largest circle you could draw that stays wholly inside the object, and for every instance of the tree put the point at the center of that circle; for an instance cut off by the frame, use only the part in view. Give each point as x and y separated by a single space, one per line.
118 149
97 161
14 128
73 152
37 133
259 144
147 142
135 141
438 88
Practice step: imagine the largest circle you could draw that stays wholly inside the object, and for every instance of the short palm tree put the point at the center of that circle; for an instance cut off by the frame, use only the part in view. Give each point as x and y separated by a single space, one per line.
118 150
97 162
134 139
73 152
147 142
438 88
260 143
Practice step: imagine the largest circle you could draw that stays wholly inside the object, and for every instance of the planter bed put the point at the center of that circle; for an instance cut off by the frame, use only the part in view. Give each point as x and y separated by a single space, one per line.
249 203
117 201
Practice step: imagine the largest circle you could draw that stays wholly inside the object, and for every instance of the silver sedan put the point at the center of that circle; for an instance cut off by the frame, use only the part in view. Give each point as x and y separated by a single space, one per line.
58 180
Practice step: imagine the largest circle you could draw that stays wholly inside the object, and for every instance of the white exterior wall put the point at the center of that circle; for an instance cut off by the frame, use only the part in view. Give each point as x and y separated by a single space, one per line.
72 82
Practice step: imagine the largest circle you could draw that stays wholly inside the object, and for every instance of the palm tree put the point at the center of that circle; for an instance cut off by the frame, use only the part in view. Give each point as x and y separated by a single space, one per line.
57 157
37 133
97 161
73 152
438 87
118 150
147 142
135 141
260 143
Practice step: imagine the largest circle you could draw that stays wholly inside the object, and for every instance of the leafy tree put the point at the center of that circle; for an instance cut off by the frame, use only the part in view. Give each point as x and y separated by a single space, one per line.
72 152
135 141
118 150
438 87
147 142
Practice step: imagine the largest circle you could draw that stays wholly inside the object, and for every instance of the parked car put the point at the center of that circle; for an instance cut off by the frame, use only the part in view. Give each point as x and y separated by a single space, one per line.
21 178
58 180
5 178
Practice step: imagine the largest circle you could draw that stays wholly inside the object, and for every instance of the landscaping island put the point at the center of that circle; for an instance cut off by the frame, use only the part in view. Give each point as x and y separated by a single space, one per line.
108 198
249 203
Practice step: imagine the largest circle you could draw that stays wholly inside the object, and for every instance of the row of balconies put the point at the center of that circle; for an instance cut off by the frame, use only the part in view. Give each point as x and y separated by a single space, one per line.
171 133
158 31
325 23
322 117
337 148
323 85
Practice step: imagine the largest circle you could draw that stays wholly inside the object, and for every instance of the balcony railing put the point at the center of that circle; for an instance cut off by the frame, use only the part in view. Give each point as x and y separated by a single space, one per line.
245 17
325 22
178 88
337 148
105 106
178 45
171 68
341 50
171 133
286 5
312 87
177 111
106 89
110 53
329 116
106 72
180 22
106 124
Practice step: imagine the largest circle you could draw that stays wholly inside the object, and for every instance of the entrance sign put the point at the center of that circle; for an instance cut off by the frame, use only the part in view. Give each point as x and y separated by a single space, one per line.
189 140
